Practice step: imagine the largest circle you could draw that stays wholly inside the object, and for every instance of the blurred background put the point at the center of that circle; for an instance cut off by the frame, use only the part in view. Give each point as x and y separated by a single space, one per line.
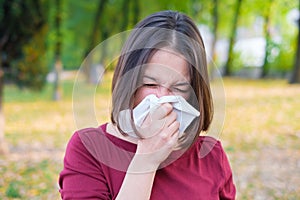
254 44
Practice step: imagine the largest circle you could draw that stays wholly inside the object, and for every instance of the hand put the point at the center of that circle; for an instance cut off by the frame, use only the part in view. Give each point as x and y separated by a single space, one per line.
160 130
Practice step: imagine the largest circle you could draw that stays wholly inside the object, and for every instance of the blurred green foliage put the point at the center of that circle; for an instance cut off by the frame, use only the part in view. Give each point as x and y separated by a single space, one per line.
23 27
78 20
34 59
31 70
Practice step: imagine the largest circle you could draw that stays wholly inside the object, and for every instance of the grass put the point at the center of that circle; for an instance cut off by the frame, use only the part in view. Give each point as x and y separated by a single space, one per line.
261 135
261 113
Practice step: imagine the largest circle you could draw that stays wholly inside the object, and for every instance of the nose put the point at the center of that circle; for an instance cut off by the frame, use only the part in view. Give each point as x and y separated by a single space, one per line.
162 91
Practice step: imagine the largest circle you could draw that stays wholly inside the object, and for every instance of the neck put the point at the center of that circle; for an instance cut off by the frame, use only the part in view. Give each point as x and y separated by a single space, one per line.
113 130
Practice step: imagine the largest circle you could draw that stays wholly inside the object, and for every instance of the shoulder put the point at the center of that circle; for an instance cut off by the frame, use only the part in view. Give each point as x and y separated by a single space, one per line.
212 150
82 151
81 140
78 136
95 145
209 146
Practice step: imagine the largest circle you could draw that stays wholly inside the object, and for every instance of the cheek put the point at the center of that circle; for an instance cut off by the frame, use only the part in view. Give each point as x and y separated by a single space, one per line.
186 96
141 93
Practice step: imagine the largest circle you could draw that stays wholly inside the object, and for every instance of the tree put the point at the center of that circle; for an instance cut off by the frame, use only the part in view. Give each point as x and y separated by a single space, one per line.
215 23
21 25
93 38
125 14
228 64
58 66
295 78
267 33
136 11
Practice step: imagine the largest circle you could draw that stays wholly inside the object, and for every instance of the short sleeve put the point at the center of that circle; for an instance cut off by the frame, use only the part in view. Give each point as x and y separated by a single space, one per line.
82 176
228 190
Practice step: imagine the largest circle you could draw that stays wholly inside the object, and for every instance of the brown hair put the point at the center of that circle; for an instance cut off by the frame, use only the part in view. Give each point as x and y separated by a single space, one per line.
171 30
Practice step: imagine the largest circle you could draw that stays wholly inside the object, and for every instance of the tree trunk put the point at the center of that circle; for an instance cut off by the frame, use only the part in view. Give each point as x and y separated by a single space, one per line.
295 78
214 40
228 65
57 95
265 67
3 144
136 11
87 64
125 10
125 18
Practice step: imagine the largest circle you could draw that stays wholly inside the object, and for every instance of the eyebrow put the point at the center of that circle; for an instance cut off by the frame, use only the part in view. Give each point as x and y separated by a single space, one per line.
149 77
177 84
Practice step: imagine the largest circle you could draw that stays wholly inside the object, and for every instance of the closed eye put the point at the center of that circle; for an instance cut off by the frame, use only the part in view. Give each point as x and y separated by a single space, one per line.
151 85
180 90
183 87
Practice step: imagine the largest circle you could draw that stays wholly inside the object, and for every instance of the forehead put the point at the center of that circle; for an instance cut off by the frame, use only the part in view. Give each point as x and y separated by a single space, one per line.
167 64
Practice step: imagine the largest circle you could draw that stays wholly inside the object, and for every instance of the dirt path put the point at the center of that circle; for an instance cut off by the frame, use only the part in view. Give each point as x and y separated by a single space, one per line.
268 173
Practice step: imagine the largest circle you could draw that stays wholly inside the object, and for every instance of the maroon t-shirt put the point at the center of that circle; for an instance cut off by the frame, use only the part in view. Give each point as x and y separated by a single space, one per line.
95 165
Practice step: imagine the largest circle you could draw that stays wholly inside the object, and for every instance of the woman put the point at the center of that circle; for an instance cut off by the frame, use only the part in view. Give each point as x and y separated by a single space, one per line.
162 65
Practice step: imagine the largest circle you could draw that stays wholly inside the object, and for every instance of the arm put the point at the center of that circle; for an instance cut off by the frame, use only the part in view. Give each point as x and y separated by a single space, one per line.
82 176
136 185
150 153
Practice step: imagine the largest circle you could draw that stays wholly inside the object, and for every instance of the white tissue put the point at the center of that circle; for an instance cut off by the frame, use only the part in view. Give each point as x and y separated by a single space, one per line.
185 112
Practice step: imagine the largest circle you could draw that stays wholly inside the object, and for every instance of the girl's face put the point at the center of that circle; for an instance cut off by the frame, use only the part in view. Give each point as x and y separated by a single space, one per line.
166 73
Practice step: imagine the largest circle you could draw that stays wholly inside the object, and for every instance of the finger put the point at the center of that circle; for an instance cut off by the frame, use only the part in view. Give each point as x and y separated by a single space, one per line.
173 128
160 124
157 113
173 139
151 129
172 117
169 131
161 111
